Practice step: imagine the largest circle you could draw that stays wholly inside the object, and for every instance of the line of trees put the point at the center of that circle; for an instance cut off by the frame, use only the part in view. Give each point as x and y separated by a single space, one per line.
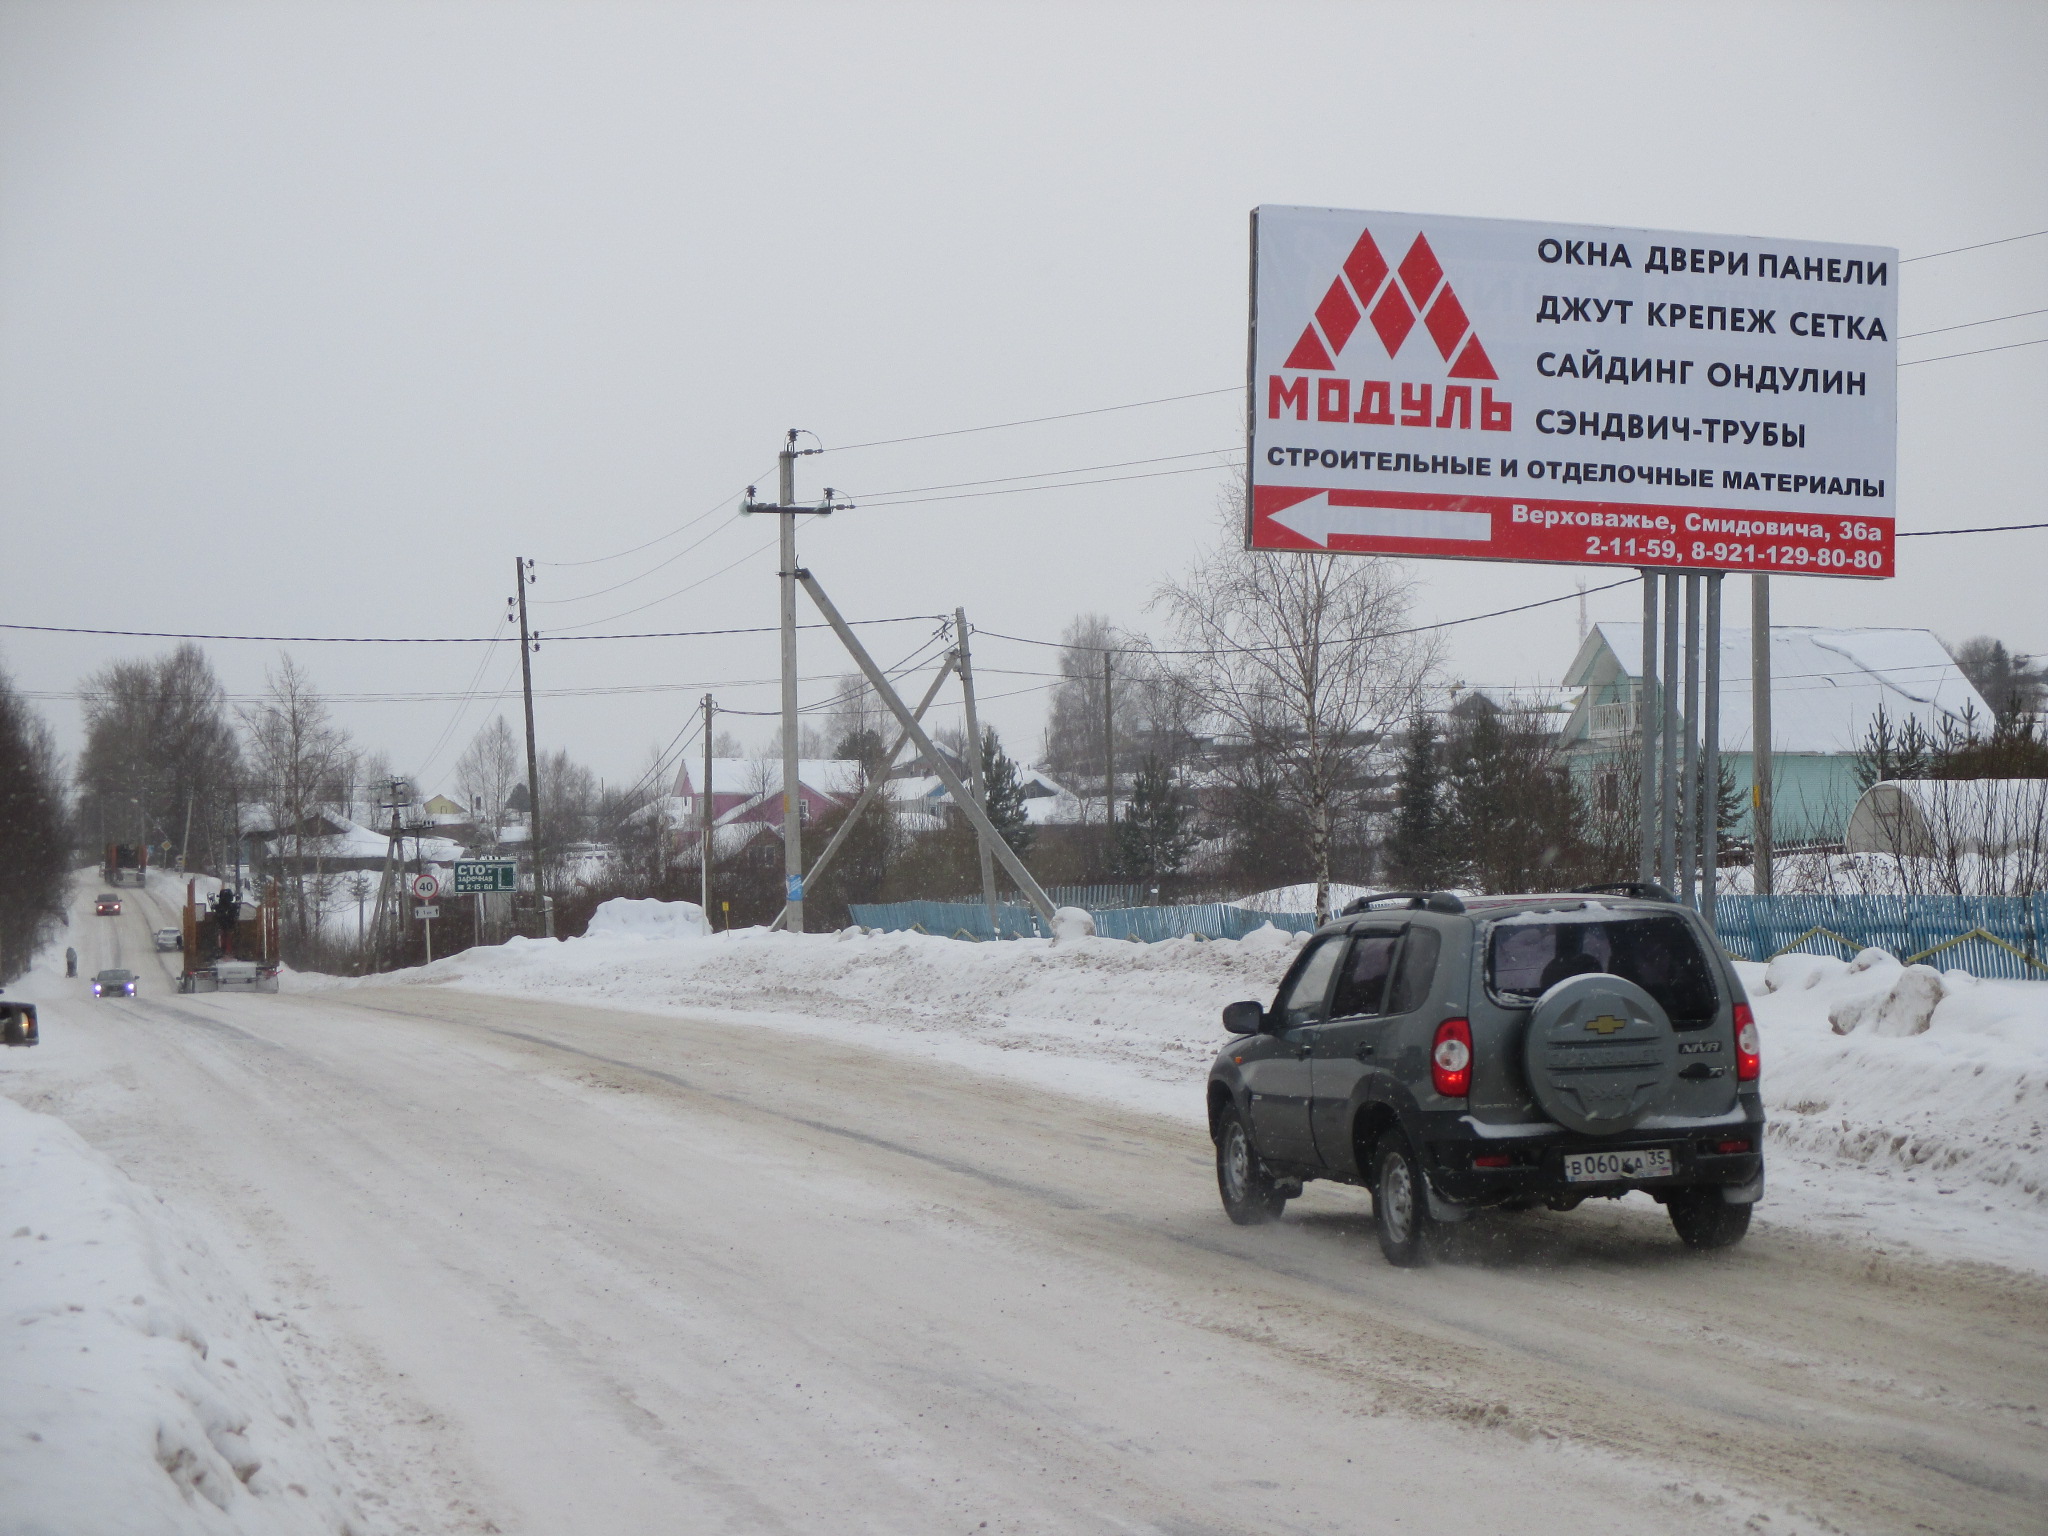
35 833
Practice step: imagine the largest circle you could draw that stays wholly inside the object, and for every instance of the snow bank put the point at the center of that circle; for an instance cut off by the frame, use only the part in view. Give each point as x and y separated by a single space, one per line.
624 918
141 1394
1135 1023
1921 1076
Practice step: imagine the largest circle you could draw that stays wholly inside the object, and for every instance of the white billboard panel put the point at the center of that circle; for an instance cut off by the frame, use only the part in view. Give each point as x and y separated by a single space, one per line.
1496 389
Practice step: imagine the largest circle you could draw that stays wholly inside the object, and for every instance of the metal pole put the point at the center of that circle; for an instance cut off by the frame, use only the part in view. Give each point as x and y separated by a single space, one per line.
1108 746
976 778
521 566
1710 759
1005 854
1761 767
792 804
875 786
1646 732
1689 806
1667 777
704 821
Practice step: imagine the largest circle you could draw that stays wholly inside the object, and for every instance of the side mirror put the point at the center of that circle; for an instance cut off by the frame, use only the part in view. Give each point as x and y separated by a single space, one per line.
1244 1018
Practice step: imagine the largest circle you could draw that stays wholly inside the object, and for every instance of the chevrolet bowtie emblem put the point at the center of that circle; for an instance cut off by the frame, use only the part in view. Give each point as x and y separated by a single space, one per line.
1606 1024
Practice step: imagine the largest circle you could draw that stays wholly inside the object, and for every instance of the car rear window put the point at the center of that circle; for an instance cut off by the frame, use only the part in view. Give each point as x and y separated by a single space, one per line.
1526 956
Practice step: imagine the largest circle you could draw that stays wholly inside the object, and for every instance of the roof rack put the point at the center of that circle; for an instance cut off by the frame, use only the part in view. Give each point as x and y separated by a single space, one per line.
1428 901
1646 890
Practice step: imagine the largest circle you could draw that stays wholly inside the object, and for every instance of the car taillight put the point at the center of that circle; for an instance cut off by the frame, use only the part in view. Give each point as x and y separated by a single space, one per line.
1493 1160
1749 1060
1733 1144
1450 1059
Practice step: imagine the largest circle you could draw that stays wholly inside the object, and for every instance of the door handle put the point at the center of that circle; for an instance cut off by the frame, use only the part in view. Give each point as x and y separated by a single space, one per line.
1301 1052
1365 1050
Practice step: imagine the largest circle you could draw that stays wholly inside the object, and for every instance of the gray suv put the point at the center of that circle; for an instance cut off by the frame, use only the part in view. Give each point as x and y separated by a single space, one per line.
1504 1052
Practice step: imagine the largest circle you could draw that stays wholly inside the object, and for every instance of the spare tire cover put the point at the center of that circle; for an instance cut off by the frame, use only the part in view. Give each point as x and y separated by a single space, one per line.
1600 1054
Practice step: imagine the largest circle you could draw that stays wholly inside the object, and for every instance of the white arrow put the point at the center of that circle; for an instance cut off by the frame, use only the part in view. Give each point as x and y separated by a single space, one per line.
1315 520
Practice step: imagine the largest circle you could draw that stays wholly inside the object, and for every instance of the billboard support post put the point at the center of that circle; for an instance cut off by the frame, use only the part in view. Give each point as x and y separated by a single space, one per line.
1710 758
1762 768
1647 705
1689 808
1667 777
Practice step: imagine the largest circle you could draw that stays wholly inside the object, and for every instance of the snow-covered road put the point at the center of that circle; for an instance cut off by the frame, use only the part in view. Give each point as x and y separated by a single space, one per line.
542 1268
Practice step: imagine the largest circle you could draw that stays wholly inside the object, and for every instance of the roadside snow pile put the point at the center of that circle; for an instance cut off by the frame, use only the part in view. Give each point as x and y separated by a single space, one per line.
624 918
1133 1022
141 1394
1930 1076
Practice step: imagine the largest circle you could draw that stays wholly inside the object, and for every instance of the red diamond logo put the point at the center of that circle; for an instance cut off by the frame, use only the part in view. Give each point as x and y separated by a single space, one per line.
1393 319
1420 272
1362 289
1338 315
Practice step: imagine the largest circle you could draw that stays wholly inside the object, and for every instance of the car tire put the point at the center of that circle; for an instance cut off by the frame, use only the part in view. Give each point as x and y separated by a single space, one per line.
1249 1193
1400 1203
1704 1220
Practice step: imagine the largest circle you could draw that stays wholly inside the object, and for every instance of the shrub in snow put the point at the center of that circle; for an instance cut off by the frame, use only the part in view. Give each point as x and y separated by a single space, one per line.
1072 923
625 918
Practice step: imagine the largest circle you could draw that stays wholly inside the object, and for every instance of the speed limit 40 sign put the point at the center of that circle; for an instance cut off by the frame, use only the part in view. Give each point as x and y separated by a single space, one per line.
425 887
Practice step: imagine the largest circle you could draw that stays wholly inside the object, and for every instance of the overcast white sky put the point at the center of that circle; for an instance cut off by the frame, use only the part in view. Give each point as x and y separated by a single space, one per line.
312 316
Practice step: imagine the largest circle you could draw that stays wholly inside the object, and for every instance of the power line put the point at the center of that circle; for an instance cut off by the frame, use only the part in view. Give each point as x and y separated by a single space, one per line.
1980 245
1935 533
642 576
1062 485
562 565
2010 346
1033 421
653 634
1079 469
1385 634
1967 324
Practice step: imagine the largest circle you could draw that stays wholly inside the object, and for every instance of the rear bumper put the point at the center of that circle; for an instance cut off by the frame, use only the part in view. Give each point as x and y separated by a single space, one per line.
1458 1154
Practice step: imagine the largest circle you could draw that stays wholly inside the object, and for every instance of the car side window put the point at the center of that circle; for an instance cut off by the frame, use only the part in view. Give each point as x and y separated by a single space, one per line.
1362 985
1418 970
1302 1003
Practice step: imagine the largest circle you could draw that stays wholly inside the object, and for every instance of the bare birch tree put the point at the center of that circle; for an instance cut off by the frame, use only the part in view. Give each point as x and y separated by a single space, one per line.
1301 656
298 762
489 769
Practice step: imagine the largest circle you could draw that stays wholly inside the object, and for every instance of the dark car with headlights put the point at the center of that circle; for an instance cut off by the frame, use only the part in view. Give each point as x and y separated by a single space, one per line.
1502 1052
114 984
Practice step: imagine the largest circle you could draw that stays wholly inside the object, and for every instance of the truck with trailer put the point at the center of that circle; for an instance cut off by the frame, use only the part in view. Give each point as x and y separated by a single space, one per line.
126 864
237 956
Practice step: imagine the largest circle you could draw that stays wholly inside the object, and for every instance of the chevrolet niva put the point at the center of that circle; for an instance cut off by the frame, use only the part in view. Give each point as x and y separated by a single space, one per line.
1497 1052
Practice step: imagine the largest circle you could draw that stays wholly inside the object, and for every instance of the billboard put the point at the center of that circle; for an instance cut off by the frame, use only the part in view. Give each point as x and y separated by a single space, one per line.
1493 389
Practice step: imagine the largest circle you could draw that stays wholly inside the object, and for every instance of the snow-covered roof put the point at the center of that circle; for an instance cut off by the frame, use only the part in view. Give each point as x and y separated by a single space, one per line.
838 776
1826 684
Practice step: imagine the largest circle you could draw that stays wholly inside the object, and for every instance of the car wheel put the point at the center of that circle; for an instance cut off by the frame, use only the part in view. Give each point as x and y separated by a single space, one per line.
1249 1193
1705 1220
1400 1203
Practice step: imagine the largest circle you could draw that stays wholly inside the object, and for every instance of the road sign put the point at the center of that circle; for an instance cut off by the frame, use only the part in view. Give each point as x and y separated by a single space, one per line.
482 876
425 887
425 912
1492 389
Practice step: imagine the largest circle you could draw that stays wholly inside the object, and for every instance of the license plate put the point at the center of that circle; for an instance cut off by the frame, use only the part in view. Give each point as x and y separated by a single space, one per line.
1594 1167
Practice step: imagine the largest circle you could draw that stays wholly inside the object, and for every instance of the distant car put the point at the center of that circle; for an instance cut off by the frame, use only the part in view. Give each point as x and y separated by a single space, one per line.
106 904
114 984
169 938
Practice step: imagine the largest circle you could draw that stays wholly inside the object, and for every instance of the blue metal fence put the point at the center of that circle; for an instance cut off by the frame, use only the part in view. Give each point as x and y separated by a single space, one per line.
969 920
1997 936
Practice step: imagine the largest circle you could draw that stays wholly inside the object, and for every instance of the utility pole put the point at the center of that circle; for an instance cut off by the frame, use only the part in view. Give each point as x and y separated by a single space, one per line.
523 574
786 508
1761 767
976 778
704 821
1108 747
